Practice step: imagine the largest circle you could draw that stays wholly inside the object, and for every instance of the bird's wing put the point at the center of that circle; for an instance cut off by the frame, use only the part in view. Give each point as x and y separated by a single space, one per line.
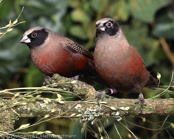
76 48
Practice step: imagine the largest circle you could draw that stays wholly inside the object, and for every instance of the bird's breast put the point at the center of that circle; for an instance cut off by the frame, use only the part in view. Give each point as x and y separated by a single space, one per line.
59 61
120 68
109 59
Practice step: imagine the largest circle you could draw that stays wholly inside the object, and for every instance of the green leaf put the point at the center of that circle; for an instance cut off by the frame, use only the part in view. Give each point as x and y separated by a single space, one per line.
34 76
119 10
95 4
145 10
5 8
78 31
164 26
78 15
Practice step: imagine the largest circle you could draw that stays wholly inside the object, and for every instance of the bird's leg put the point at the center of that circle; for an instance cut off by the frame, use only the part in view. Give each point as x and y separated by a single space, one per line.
141 100
47 80
77 77
73 78
101 95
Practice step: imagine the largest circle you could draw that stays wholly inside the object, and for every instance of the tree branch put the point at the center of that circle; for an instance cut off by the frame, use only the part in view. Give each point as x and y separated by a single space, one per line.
71 109
28 102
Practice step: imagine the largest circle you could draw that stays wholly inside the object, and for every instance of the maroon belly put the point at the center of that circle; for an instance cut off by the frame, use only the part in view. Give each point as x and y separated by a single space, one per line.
64 63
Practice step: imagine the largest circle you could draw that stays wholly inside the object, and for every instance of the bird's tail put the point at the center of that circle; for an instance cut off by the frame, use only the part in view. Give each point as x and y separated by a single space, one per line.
153 83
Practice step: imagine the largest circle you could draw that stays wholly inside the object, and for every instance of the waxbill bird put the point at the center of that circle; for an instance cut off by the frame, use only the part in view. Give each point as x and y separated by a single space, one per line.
53 53
118 63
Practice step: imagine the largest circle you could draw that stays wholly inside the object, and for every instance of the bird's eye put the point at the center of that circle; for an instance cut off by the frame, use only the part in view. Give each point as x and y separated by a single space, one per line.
34 35
109 24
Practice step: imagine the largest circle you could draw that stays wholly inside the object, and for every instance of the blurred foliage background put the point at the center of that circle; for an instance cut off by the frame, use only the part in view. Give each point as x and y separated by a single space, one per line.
147 24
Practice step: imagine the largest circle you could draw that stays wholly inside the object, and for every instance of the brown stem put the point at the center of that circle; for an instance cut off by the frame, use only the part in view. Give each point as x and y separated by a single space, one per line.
167 50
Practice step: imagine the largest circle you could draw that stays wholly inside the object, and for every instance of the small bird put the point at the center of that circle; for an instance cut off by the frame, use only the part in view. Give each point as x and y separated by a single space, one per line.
118 63
53 53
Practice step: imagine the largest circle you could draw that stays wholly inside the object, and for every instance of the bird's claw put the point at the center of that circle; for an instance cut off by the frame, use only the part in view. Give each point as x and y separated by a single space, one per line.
47 80
71 87
141 100
100 96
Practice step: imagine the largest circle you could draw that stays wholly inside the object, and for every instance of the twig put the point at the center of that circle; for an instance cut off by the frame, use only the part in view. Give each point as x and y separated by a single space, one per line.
167 50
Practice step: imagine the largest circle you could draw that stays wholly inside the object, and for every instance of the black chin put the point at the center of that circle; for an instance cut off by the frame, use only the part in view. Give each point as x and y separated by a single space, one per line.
99 32
29 45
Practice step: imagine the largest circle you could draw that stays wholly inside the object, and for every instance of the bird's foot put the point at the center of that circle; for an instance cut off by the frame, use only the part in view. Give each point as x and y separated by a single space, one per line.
77 77
47 80
71 79
101 95
83 78
141 100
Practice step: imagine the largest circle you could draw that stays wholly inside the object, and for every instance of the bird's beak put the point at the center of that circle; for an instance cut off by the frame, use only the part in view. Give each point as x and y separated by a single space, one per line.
25 39
100 27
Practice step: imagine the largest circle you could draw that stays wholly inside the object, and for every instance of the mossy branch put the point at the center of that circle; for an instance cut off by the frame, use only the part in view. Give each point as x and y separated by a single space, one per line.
29 102
74 109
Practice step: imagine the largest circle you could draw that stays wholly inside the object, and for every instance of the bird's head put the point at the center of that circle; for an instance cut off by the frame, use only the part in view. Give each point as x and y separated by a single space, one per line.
34 37
106 26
